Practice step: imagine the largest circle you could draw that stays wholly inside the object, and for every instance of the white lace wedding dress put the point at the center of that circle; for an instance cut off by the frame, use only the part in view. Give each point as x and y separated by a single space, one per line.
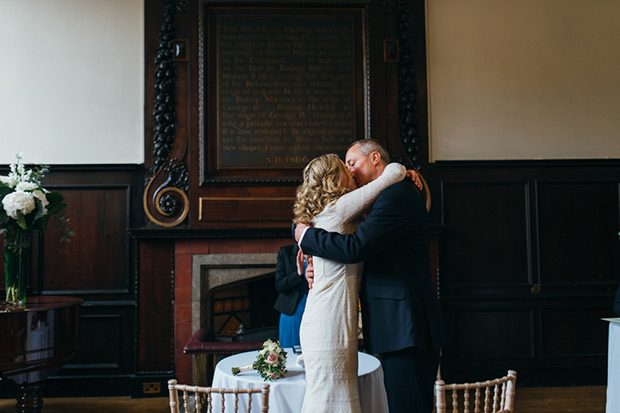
329 326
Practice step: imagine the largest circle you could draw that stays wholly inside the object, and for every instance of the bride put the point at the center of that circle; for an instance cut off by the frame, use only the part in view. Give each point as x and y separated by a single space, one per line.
328 199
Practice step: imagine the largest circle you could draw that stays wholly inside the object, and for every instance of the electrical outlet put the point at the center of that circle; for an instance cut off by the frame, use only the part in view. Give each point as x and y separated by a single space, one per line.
151 388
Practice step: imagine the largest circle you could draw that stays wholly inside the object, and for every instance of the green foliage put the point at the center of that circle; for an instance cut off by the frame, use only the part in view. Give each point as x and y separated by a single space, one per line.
17 218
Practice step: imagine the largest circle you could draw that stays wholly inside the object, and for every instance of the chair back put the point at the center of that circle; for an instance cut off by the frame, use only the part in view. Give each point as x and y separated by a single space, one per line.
197 399
496 396
425 193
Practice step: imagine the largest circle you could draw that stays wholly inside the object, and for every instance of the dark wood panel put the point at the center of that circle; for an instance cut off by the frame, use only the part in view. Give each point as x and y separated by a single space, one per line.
570 254
578 226
570 331
486 234
493 334
102 203
221 210
155 297
103 345
96 257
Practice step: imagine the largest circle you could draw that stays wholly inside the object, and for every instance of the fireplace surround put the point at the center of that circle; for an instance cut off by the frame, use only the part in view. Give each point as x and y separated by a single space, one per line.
213 271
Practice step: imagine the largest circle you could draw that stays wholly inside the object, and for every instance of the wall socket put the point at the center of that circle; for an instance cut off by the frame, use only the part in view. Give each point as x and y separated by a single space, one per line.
151 388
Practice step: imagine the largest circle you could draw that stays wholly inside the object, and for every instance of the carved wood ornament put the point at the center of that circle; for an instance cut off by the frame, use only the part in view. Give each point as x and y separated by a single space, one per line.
408 107
165 196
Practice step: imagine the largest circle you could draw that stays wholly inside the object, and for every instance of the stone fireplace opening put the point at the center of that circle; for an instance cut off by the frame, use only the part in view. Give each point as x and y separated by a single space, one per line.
233 291
243 307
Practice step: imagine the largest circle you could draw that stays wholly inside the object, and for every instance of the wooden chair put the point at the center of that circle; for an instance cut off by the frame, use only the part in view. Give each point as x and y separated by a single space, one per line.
204 403
425 192
500 401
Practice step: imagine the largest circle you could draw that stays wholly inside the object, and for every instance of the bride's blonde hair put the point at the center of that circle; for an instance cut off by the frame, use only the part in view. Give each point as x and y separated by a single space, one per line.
321 186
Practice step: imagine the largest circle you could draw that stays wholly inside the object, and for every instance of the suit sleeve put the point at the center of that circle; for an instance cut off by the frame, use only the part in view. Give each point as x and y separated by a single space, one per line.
388 220
286 270
617 302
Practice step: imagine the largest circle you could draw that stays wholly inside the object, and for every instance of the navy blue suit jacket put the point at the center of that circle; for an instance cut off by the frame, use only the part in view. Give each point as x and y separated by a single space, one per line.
289 284
399 303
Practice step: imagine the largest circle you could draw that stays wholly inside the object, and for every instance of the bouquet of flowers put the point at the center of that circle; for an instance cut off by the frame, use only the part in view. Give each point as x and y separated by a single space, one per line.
270 363
26 207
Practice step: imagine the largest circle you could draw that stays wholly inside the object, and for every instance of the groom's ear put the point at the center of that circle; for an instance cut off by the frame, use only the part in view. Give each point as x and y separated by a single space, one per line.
375 158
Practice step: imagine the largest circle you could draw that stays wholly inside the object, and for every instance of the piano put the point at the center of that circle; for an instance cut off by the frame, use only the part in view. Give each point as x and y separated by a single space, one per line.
36 339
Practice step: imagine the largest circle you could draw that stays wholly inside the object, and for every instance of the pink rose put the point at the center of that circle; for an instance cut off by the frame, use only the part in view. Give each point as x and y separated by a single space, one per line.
275 375
272 357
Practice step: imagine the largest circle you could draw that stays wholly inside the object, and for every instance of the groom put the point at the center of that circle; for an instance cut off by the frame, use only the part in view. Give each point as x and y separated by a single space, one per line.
401 315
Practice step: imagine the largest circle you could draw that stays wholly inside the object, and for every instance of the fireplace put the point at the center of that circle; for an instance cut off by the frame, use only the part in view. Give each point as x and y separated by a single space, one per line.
233 289
207 269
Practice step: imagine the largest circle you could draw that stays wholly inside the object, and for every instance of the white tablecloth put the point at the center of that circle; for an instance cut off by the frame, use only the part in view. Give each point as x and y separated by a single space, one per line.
613 368
286 395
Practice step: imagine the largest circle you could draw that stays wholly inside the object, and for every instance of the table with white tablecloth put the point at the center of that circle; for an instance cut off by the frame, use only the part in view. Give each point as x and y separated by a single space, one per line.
613 367
286 395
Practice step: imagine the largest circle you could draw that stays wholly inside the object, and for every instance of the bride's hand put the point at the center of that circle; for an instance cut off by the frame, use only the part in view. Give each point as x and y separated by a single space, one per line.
309 271
300 262
415 178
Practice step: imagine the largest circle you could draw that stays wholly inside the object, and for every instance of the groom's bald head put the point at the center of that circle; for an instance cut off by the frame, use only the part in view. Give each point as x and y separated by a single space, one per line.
366 159
367 146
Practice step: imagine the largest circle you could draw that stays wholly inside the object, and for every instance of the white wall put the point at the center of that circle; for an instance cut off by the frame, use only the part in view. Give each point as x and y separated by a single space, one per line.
72 81
524 79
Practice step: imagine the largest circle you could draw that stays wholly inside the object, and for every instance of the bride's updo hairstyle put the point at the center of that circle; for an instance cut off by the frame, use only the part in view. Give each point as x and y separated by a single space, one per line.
320 187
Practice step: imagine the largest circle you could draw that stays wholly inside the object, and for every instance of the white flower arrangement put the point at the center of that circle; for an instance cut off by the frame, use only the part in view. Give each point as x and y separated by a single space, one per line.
270 362
26 205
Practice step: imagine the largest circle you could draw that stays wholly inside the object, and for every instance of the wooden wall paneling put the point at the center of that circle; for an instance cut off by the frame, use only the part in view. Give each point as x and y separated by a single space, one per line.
383 20
110 324
486 235
196 110
155 300
572 268
487 342
492 334
574 332
487 334
246 211
578 233
95 329
96 258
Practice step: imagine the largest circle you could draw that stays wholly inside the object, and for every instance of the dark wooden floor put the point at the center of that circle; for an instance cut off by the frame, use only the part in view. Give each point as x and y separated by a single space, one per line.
527 400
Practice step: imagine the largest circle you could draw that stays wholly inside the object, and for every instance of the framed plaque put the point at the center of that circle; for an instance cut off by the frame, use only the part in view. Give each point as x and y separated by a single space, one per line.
279 87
